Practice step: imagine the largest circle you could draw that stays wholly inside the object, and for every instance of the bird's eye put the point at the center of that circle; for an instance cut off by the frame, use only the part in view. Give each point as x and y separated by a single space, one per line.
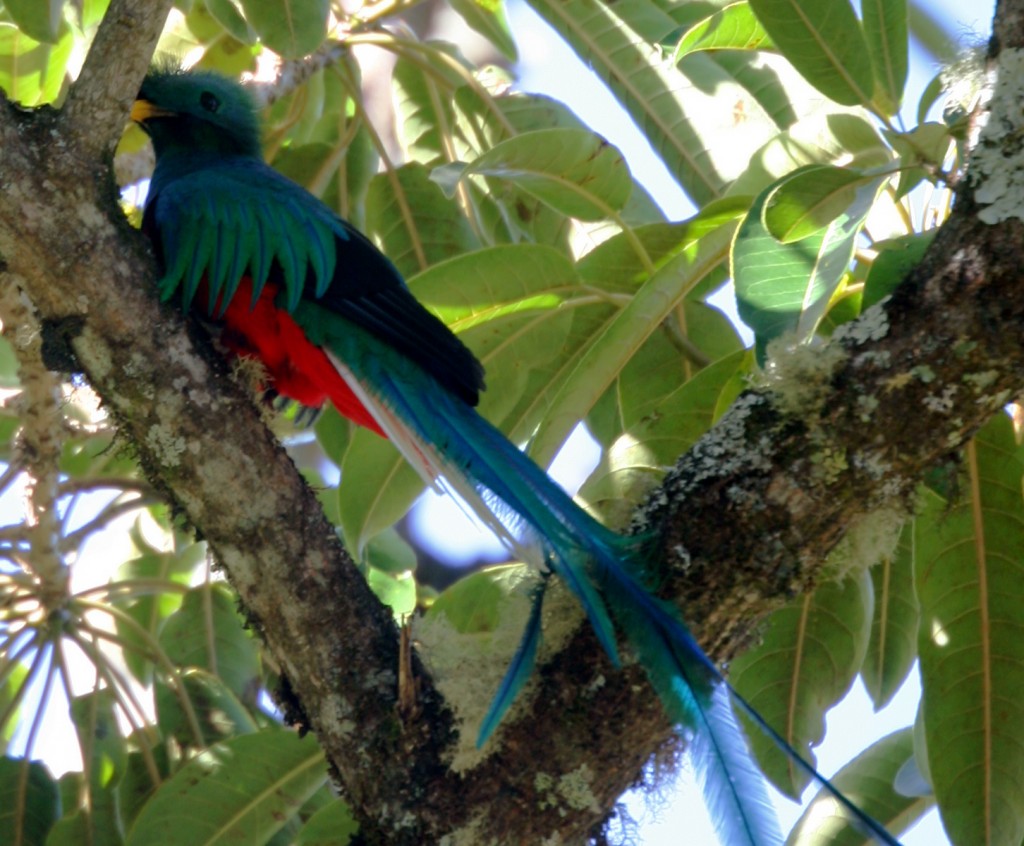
209 101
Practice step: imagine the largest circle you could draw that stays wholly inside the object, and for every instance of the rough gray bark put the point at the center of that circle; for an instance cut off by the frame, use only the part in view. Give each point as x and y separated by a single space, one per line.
744 520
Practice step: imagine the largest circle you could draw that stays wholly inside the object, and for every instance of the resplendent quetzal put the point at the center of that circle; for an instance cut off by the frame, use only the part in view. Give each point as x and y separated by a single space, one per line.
291 284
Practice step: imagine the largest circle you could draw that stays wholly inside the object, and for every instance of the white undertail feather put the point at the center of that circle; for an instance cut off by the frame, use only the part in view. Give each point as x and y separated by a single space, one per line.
431 465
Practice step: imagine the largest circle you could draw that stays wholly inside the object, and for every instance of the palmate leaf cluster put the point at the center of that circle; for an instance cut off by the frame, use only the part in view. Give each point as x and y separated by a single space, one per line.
528 235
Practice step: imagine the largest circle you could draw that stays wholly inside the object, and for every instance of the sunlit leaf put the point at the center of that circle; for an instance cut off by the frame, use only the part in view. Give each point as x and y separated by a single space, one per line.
292 28
787 287
426 114
885 33
31 72
38 19
733 27
703 250
896 258
412 220
810 200
687 111
488 18
869 782
656 416
229 14
218 712
824 41
377 488
573 171
397 591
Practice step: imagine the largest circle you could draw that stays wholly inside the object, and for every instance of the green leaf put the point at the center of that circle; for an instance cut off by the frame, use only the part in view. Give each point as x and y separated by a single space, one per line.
867 781
970 583
934 32
514 306
893 647
207 632
38 19
475 604
292 28
31 72
240 791
808 660
137 785
99 822
229 14
377 488
926 147
810 200
426 113
931 94
572 170
596 366
885 32
92 13
390 553
334 433
8 365
504 213
413 222
896 258
657 417
397 591
217 709
488 18
150 610
689 112
332 825
29 802
733 27
95 721
824 41
787 287
827 136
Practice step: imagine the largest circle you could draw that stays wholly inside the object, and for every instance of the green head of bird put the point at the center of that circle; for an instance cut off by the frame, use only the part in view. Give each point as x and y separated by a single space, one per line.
197 112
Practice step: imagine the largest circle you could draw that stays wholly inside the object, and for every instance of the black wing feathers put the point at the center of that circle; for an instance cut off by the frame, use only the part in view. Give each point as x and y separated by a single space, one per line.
368 290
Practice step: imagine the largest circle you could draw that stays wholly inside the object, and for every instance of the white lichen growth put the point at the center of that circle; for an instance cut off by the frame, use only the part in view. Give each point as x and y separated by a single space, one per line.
923 373
799 375
941 403
997 162
167 446
876 358
828 464
872 325
577 791
468 666
724 450
867 406
963 80
872 462
870 539
572 791
981 381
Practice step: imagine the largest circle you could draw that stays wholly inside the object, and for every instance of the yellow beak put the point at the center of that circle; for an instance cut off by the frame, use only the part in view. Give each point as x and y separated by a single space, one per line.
143 110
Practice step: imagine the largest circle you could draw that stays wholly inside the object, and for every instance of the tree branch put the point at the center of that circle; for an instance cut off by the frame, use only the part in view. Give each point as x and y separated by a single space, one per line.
97 106
744 520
